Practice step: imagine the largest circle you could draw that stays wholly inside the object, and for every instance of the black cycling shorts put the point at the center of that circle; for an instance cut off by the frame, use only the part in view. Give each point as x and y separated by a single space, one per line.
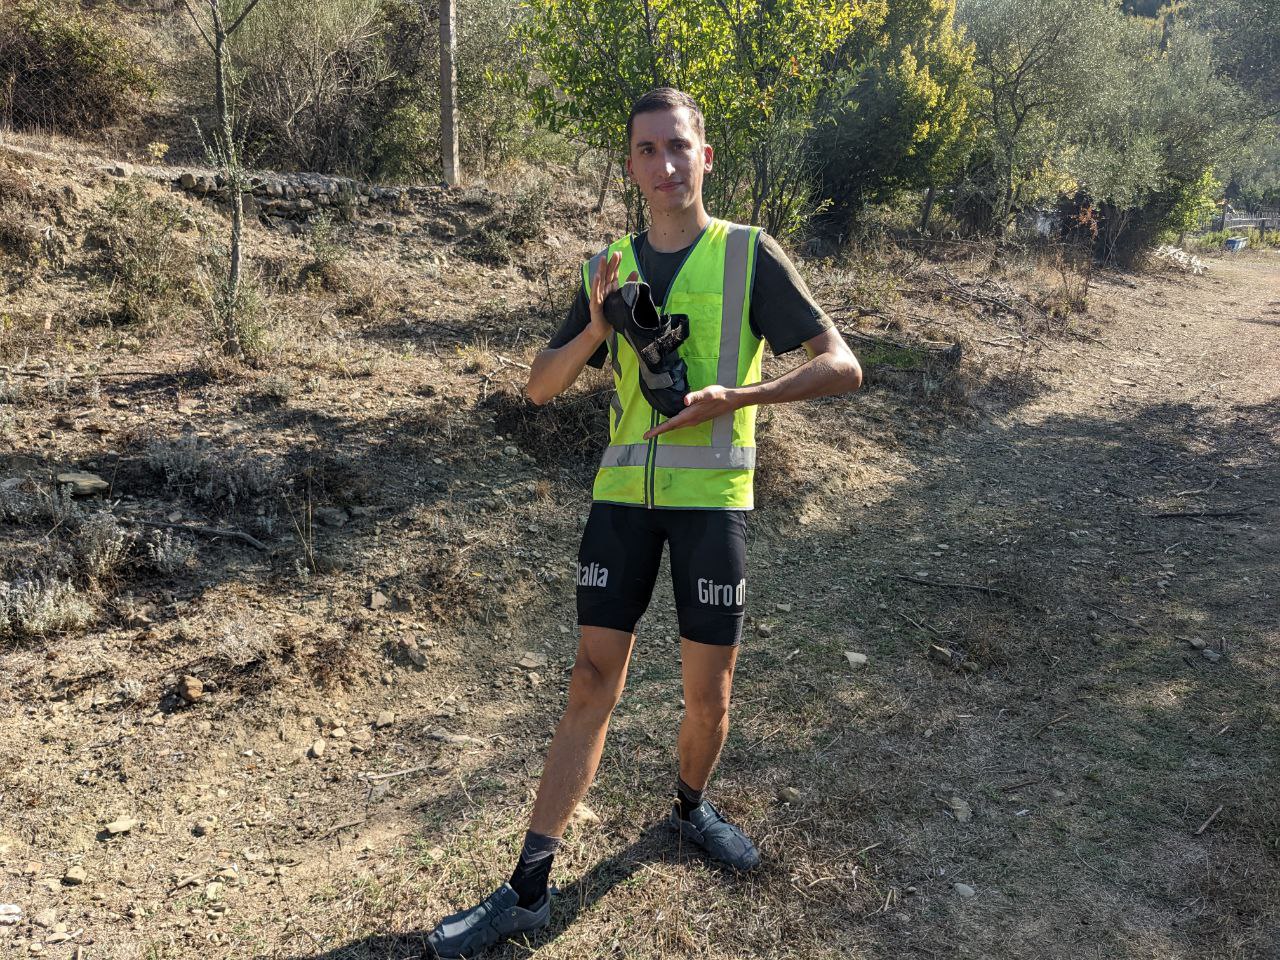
618 566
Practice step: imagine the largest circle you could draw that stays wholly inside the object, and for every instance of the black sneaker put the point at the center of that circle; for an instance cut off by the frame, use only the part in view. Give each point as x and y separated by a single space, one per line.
721 840
495 918
664 378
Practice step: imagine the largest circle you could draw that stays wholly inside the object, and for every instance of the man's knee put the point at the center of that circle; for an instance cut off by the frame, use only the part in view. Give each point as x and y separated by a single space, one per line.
709 711
593 688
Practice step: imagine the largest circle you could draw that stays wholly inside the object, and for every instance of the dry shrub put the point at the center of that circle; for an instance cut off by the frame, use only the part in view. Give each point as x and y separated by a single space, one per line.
37 608
568 433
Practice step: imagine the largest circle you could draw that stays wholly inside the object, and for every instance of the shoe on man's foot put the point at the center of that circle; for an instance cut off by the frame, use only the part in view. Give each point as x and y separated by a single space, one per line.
495 918
720 839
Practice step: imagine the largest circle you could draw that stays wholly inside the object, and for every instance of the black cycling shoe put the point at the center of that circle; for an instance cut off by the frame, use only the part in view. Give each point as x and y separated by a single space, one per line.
497 917
720 839
664 378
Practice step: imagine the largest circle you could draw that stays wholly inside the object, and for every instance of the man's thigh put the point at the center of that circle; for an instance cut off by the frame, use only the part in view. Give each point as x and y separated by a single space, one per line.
617 566
709 573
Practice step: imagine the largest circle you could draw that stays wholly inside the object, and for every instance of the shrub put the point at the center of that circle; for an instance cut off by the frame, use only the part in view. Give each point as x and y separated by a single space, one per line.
65 70
149 269
37 608
169 554
102 545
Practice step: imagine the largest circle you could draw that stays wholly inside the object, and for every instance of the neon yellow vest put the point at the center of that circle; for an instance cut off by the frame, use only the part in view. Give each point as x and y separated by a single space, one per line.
709 465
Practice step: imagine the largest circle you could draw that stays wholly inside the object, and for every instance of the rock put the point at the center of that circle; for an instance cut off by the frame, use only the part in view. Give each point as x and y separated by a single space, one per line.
213 891
510 451
453 739
535 680
764 630
331 516
187 181
435 853
317 750
379 600
338 733
385 719
964 889
191 689
74 876
941 654
117 827
788 795
83 484
205 827
782 607
583 814
1197 643
856 660
10 913
120 170
960 809
533 660
1213 656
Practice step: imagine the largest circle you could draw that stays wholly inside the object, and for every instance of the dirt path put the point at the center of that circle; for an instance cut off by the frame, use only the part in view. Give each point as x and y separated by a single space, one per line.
1060 767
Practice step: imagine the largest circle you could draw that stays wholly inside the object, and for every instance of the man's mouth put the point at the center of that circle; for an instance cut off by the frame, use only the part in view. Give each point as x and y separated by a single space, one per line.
670 186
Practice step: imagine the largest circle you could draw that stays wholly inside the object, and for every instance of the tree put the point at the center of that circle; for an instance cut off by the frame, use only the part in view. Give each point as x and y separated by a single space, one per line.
216 33
758 68
448 94
906 121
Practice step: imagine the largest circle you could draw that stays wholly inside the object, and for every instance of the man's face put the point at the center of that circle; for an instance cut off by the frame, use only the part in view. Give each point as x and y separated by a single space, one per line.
668 159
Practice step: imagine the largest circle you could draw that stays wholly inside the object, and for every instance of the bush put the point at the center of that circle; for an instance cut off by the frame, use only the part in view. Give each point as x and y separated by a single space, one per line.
37 608
64 70
150 271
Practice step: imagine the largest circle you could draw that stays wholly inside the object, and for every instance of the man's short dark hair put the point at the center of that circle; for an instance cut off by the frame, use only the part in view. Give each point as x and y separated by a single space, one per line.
667 98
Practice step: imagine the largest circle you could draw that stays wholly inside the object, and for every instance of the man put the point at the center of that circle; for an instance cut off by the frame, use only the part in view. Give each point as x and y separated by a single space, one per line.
685 480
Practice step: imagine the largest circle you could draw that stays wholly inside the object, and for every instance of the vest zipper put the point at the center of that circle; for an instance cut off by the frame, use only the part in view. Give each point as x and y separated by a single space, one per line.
649 468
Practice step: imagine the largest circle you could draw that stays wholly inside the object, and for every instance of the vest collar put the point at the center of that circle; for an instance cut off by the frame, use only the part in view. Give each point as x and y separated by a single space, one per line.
631 242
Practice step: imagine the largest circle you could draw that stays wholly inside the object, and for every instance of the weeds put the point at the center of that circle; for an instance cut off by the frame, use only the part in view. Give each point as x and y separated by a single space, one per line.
148 268
38 608
169 554
102 546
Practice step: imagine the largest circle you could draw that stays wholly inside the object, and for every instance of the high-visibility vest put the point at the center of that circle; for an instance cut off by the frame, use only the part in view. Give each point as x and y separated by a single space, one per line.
709 465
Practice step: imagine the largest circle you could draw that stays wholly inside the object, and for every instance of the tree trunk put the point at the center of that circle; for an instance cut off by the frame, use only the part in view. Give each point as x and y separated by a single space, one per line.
448 92
928 209
231 174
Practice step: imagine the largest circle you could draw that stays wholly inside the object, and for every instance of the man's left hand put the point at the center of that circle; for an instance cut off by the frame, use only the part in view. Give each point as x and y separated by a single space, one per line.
699 406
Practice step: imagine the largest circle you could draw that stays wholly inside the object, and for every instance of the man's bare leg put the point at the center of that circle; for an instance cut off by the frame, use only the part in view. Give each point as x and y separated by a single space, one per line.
708 683
599 675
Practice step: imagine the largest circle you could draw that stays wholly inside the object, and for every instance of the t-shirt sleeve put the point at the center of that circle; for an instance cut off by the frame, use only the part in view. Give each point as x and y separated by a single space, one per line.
577 320
783 310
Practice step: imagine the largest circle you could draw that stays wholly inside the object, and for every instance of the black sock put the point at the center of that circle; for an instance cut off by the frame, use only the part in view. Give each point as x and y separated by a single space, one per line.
534 868
687 798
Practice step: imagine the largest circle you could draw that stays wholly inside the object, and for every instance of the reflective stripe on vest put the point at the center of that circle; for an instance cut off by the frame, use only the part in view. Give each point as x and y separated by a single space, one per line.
708 465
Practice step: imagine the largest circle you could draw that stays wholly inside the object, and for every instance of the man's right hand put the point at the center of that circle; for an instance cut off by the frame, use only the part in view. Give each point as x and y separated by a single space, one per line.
602 284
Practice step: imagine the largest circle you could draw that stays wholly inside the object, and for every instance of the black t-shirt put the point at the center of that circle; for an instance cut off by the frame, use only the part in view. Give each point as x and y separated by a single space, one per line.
782 311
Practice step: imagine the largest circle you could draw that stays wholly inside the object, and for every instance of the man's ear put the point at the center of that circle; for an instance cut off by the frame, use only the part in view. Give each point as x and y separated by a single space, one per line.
708 154
627 165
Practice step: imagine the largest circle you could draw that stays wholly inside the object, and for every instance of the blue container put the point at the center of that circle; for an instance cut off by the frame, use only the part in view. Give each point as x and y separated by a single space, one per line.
1236 243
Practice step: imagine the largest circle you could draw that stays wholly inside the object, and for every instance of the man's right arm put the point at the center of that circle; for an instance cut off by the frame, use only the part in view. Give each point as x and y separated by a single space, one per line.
555 368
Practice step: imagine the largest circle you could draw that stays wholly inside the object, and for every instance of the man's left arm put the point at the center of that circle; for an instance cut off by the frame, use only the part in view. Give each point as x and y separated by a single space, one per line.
831 369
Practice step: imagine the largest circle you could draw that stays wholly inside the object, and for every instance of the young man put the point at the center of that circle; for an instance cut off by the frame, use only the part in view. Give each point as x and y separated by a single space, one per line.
684 481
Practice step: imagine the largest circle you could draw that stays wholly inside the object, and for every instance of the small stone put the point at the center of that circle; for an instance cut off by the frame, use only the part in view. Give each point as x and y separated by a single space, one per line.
782 607
338 733
331 516
510 451
764 630
204 726
533 660
120 170
74 876
788 795
84 484
435 853
205 827
378 600
535 679
123 825
1197 643
941 654
585 815
11 913
960 809
964 890
317 750
213 891
187 181
385 719
856 660
191 689
1213 656
1093 614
